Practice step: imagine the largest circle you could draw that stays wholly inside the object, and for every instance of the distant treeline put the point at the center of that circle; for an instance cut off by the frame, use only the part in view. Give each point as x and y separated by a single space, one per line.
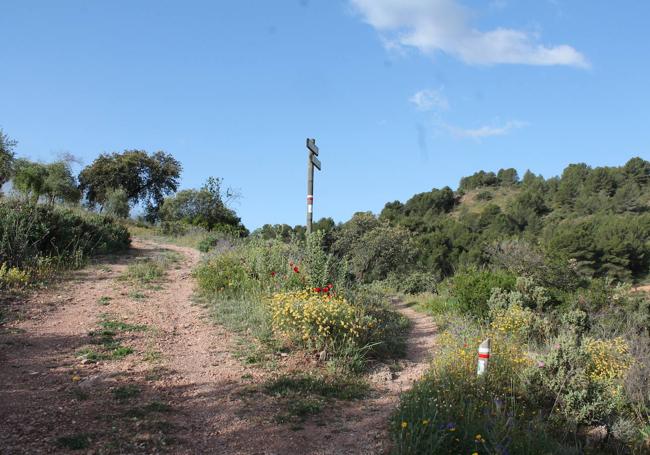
597 217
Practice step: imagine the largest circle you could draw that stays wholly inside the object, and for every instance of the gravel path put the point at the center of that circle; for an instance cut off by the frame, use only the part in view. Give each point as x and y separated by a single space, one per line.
179 391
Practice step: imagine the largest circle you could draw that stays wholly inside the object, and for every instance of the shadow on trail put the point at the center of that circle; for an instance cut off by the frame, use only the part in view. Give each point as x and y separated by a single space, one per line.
46 398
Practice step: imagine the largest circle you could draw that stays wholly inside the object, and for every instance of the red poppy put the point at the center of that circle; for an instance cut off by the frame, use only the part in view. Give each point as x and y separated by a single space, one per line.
316 289
273 274
295 269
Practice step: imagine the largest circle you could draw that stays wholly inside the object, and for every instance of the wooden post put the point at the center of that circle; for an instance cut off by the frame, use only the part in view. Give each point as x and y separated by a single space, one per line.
312 161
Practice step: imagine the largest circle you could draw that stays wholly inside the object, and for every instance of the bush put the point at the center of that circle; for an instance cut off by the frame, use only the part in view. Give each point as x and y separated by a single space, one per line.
208 242
29 233
584 379
417 282
223 274
12 277
173 228
318 319
484 196
388 329
473 289
452 410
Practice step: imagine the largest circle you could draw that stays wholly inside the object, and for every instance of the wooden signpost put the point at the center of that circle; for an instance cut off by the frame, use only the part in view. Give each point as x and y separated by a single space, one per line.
312 161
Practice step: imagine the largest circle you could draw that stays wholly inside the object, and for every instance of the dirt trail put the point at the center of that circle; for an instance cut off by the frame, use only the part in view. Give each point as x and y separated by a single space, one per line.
179 391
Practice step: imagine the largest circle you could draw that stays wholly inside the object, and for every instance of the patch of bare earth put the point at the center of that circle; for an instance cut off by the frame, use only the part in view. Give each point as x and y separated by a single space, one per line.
179 391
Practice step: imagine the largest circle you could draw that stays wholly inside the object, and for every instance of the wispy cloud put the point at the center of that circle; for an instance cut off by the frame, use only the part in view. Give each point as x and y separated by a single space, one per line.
486 130
429 99
444 26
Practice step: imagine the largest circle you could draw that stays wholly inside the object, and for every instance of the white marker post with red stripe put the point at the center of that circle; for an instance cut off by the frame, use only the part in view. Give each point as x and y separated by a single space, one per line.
483 356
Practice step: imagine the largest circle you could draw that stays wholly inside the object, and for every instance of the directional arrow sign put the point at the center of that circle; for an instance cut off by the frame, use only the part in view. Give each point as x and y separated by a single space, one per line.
316 162
313 148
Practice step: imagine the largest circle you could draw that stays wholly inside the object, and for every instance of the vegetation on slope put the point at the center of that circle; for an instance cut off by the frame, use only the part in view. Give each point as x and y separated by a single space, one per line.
36 240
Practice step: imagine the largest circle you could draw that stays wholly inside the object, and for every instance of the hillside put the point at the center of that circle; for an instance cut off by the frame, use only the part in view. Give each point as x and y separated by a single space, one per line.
596 216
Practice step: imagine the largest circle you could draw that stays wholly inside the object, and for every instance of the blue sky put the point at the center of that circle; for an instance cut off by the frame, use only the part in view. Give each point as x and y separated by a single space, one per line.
401 95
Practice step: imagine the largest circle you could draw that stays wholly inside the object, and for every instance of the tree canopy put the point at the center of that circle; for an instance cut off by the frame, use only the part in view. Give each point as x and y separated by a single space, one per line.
54 180
205 207
6 157
144 177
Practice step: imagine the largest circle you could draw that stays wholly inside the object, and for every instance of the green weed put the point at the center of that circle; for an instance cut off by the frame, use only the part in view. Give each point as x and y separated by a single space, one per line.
126 392
115 325
342 388
104 300
299 409
74 442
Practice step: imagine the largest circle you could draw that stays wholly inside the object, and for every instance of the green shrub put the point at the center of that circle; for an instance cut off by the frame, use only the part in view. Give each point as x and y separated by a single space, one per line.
388 328
484 196
173 228
29 232
417 282
451 410
473 289
208 242
225 273
12 277
583 380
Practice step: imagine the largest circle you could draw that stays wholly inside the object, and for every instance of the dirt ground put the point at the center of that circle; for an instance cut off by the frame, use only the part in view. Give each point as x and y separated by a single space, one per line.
181 390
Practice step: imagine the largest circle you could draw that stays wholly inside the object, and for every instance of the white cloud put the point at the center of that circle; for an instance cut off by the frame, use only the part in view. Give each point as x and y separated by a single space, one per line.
429 99
486 130
444 26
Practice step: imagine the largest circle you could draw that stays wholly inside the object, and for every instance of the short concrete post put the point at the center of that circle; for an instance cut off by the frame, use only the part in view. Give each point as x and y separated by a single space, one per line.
483 356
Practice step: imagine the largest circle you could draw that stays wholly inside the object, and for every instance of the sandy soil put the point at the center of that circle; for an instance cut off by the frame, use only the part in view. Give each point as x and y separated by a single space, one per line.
190 396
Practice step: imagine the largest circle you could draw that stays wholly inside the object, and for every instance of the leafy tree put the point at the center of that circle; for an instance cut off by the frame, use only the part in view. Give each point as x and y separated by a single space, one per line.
628 197
571 183
60 184
117 203
638 170
351 232
477 180
282 232
381 251
29 179
326 225
53 180
527 209
7 157
204 207
144 177
508 176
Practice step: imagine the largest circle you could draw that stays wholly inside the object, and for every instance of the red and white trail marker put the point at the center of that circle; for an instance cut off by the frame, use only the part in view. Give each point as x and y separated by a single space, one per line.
483 357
